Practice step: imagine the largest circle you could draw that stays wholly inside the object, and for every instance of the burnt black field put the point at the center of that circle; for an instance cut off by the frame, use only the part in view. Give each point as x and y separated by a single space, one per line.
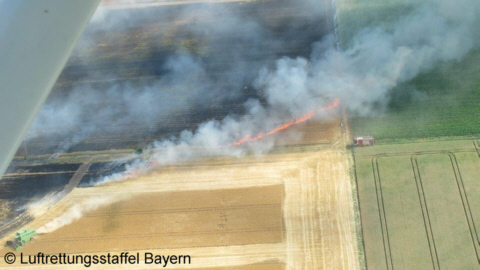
24 187
287 29
116 59
99 170
44 168
133 56
25 182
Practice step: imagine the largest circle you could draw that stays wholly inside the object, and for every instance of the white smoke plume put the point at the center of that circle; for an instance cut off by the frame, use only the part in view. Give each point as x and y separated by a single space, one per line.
120 107
186 80
76 212
361 76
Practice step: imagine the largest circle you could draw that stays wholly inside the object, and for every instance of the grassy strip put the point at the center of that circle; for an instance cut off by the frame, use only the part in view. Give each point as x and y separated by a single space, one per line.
362 260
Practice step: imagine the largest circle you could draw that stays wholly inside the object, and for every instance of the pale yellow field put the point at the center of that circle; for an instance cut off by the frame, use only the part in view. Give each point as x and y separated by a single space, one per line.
279 211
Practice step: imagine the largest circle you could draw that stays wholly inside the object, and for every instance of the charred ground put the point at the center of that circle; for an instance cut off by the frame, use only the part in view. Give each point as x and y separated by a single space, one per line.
133 56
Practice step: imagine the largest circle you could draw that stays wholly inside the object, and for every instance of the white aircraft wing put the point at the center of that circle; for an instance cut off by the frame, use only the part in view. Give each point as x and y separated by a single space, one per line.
36 40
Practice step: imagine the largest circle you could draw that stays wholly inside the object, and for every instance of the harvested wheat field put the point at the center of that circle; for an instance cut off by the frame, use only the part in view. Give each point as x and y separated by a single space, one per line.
289 210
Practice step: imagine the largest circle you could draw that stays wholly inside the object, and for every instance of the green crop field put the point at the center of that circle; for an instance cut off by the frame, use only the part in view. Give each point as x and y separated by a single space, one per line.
420 205
353 15
441 103
444 102
418 187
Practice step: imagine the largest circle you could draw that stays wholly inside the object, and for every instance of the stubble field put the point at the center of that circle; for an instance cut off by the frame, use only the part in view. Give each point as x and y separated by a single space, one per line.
288 210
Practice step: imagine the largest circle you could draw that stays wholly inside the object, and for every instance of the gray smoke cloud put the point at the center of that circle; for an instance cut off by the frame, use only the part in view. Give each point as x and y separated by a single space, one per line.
378 60
228 47
77 211
118 108
361 76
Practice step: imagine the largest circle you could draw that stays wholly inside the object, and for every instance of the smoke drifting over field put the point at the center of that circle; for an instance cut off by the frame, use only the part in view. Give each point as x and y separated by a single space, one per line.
69 117
362 76
76 212
204 56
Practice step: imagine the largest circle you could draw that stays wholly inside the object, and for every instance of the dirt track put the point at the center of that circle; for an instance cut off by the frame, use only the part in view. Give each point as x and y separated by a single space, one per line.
278 211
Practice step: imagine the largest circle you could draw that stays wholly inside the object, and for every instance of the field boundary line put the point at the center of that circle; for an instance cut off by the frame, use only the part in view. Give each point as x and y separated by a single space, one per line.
476 144
425 214
359 209
423 203
465 203
382 214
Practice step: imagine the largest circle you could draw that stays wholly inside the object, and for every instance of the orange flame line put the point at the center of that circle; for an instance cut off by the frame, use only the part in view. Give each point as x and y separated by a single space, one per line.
305 117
